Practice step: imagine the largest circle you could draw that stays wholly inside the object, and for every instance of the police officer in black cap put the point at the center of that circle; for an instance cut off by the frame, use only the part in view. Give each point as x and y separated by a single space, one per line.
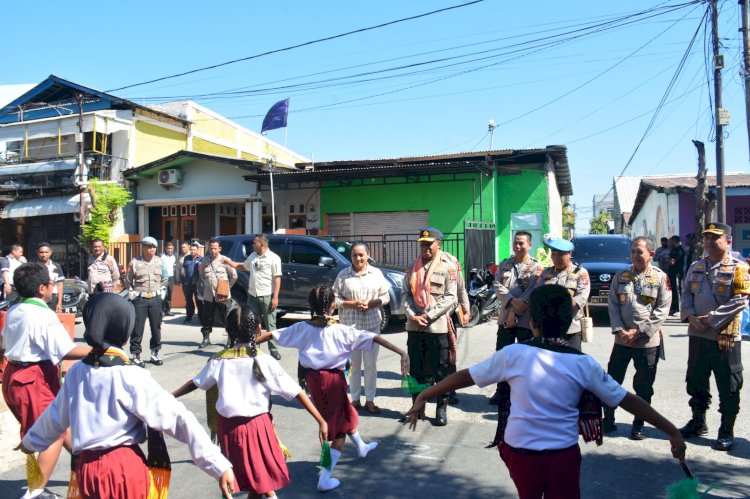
713 298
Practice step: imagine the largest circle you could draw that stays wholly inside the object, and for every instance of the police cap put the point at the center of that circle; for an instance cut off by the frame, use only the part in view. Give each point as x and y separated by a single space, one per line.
149 241
718 229
429 234
560 245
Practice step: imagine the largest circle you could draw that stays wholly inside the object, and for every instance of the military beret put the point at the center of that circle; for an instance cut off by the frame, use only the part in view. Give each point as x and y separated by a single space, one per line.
560 245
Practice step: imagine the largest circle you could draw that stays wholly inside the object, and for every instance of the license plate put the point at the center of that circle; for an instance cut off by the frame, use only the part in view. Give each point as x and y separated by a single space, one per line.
598 299
603 292
69 310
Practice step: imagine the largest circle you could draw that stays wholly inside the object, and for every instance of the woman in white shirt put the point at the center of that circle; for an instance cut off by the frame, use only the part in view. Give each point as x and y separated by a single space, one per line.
360 292
108 403
324 347
246 381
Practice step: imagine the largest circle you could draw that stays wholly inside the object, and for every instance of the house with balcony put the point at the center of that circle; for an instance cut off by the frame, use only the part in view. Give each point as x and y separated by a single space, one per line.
43 131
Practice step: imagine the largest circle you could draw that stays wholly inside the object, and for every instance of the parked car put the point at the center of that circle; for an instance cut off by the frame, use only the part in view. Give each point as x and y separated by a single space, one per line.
603 255
75 296
307 261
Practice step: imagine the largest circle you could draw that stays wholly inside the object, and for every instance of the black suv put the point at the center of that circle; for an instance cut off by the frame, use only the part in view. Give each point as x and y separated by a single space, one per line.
307 261
603 256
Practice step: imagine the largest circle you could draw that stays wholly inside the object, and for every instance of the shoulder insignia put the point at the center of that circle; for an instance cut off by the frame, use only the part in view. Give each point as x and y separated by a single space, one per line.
700 266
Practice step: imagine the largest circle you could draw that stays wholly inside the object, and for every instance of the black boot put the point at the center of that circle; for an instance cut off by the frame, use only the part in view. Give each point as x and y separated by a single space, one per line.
206 341
441 415
636 433
696 427
608 424
452 398
725 442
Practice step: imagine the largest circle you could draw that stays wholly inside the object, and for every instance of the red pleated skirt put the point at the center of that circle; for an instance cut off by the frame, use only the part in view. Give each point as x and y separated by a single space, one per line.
329 393
116 473
252 447
29 390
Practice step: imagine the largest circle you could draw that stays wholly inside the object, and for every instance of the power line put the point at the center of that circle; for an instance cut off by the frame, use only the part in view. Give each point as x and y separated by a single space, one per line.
291 47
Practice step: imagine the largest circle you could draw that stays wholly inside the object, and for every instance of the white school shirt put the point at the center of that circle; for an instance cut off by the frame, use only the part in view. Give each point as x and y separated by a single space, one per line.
110 406
323 348
240 394
545 389
33 333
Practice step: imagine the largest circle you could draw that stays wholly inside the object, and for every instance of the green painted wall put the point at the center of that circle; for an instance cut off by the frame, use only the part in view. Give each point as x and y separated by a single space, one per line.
525 192
448 201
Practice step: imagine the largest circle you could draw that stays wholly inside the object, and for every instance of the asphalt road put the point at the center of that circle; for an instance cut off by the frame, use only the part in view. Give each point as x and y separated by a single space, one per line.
440 462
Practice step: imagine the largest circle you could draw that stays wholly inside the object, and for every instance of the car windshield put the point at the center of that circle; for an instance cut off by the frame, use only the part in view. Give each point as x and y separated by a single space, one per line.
602 249
345 249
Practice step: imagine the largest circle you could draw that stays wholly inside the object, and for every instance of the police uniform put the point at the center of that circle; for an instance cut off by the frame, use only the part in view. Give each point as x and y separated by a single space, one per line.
575 279
512 280
211 271
146 279
718 291
457 317
429 288
641 301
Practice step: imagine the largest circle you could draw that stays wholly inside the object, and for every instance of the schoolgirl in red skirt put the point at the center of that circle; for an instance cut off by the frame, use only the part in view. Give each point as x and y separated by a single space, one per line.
324 347
246 379
109 403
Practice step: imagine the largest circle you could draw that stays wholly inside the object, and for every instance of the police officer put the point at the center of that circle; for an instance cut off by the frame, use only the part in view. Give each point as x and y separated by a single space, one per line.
512 280
571 276
147 278
638 304
429 295
713 298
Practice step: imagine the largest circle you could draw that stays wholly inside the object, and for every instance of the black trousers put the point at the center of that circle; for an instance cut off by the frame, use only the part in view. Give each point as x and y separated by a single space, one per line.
509 335
167 302
644 360
704 357
428 356
574 340
675 279
210 308
146 308
192 301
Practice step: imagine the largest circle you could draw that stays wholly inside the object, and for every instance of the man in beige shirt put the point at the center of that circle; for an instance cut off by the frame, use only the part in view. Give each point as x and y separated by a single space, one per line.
213 269
429 295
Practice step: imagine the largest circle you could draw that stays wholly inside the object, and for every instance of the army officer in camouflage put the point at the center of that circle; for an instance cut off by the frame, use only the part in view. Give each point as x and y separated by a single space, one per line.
638 305
714 294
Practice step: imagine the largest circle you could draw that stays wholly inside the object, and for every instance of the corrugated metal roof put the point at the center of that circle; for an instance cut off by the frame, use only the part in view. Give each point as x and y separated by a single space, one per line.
683 183
626 189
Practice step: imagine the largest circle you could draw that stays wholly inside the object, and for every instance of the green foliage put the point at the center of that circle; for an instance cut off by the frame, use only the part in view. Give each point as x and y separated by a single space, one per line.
107 200
599 223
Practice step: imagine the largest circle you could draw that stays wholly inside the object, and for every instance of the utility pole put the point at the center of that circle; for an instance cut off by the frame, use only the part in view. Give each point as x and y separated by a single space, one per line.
721 117
746 60
81 179
273 201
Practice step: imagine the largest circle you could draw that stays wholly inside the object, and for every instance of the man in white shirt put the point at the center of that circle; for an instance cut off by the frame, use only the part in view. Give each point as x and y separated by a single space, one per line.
264 284
169 259
548 379
44 256
15 259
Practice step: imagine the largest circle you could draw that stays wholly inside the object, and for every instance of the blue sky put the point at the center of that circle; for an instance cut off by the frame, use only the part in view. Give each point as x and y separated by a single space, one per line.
595 94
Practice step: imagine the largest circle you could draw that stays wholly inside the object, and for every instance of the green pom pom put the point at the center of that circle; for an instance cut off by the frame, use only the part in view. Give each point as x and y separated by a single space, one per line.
411 386
325 456
684 489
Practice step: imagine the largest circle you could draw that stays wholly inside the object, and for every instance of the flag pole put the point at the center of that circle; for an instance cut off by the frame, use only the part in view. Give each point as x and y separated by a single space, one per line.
273 204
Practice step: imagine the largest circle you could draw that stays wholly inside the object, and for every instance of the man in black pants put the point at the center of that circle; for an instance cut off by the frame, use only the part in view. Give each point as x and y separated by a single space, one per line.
638 306
146 279
511 284
189 275
676 271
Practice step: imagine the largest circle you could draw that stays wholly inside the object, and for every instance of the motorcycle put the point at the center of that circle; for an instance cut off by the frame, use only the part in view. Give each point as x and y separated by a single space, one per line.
482 299
75 296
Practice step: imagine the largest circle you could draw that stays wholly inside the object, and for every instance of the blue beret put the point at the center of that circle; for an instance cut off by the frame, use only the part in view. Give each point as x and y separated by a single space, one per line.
560 245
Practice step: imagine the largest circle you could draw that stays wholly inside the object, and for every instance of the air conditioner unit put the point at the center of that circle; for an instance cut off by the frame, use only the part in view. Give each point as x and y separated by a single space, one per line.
170 176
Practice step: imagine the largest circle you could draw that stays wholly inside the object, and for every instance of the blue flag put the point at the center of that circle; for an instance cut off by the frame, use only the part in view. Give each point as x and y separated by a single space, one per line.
276 116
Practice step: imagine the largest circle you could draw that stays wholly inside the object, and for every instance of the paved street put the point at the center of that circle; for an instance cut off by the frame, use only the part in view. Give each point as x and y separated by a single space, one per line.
451 461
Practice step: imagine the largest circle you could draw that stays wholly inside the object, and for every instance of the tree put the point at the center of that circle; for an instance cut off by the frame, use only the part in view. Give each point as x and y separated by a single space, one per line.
569 220
107 201
599 223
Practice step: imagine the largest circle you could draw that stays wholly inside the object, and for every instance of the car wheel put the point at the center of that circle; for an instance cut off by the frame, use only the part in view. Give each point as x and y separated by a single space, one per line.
385 313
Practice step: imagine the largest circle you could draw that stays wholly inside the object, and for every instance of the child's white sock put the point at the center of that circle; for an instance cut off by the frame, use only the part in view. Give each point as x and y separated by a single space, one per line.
362 448
325 481
30 494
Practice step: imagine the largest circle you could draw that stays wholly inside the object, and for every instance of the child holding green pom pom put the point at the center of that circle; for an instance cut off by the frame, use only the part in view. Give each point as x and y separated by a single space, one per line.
324 347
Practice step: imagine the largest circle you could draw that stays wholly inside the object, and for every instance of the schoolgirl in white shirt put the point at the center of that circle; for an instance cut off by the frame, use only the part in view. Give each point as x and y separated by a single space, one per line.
246 379
108 403
324 347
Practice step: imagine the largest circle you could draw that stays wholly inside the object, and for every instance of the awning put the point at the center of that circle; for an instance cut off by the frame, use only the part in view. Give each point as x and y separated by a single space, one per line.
56 165
40 207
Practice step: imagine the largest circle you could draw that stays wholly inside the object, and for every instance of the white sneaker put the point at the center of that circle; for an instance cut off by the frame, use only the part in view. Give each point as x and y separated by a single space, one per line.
155 360
137 361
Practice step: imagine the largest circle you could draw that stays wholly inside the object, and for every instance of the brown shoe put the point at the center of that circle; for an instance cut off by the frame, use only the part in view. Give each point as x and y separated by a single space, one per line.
371 407
356 404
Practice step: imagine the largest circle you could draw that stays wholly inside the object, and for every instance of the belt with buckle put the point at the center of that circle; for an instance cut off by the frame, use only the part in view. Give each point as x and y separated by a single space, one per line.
148 295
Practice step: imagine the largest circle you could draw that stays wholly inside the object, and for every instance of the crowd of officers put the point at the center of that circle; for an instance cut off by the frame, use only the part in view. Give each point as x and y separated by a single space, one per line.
713 297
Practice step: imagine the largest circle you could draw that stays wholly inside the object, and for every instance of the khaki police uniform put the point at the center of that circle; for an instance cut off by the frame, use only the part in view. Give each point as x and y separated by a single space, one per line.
641 301
428 347
512 280
146 280
576 280
719 291
210 273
